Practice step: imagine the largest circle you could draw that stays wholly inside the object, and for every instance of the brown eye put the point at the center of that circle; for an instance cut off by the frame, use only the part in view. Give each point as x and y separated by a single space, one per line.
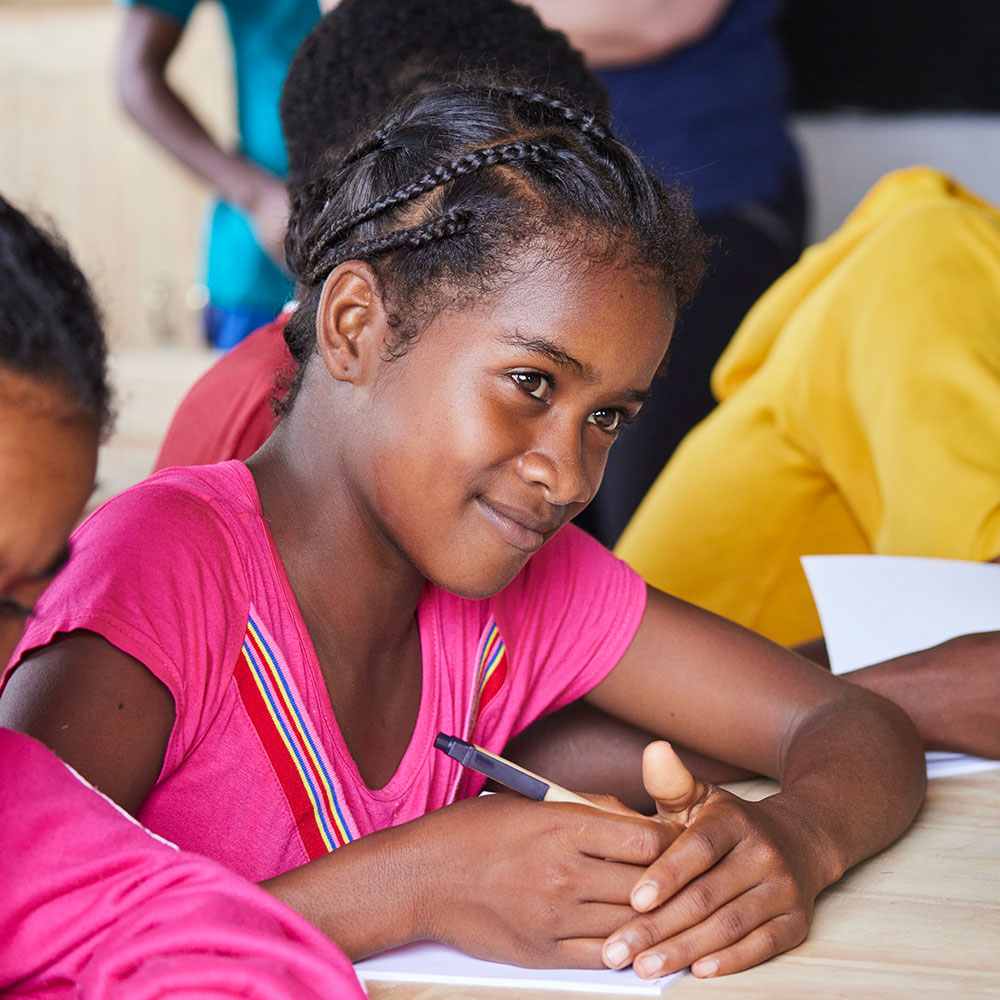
608 420
535 384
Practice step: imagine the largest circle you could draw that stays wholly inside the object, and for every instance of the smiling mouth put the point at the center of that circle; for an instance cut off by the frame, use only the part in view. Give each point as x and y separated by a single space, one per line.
510 524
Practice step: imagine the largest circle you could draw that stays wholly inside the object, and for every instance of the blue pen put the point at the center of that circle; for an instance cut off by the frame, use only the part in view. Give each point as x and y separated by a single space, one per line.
508 774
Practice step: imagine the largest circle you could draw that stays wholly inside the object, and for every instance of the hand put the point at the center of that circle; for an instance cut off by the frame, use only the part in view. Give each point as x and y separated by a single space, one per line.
532 883
268 209
735 888
950 691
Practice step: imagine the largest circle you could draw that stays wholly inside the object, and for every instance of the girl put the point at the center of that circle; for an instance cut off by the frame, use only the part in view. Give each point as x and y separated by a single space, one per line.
487 286
92 905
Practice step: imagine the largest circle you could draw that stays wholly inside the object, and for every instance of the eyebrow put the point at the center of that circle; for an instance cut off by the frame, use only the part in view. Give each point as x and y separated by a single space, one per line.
548 350
559 357
638 395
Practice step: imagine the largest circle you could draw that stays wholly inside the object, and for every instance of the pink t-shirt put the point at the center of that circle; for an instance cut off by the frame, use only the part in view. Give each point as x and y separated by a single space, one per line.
93 905
181 573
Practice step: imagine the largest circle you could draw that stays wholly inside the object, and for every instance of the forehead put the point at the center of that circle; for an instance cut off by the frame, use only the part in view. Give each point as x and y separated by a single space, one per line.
606 314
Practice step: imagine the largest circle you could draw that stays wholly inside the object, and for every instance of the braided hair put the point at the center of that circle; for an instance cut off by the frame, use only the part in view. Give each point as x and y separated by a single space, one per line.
363 55
50 328
457 182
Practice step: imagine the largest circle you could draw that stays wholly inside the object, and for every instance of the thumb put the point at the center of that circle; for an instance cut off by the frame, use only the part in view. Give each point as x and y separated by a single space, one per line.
670 784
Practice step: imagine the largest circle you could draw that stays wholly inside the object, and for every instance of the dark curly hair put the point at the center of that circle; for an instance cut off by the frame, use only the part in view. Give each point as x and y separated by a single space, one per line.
445 194
50 327
364 55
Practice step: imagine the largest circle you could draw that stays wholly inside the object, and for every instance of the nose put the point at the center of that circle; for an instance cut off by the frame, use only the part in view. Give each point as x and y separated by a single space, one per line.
559 464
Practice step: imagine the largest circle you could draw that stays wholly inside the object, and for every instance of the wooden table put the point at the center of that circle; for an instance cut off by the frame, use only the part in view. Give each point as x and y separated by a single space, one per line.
919 920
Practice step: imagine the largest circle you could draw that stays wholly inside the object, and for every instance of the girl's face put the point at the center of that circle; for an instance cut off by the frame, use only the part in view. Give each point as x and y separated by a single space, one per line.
48 456
493 429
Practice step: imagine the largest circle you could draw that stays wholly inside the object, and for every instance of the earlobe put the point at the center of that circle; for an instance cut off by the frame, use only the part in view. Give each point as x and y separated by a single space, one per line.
349 320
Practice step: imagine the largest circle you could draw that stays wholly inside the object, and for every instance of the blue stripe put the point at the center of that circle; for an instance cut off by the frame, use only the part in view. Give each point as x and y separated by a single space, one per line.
289 737
305 730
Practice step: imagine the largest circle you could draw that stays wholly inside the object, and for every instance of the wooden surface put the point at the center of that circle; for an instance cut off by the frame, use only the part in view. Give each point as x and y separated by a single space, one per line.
919 920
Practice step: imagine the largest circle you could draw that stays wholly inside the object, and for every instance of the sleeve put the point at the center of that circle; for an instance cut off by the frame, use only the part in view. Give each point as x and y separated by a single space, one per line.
179 10
567 619
227 413
924 371
156 572
93 899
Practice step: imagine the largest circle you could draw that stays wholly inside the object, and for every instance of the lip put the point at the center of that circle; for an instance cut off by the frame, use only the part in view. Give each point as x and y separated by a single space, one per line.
519 528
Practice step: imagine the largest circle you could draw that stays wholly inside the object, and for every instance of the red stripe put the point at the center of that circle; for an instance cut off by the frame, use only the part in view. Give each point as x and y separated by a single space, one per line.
495 681
297 796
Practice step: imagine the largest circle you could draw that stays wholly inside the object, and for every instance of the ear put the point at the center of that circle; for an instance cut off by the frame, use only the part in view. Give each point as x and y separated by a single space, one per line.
350 321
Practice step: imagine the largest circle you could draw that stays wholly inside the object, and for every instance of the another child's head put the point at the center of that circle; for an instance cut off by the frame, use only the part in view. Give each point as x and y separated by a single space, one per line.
54 406
364 55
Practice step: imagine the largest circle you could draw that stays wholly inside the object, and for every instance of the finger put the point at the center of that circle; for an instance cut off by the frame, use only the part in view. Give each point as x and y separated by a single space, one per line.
771 938
596 920
571 953
697 903
597 880
698 849
670 784
636 840
611 803
703 949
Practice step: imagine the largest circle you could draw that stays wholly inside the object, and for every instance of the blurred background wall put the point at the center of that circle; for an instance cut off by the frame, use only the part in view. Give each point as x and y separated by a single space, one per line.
132 217
874 85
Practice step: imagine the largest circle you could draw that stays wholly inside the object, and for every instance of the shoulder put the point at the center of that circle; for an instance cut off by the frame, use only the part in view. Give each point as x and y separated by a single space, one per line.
206 500
150 545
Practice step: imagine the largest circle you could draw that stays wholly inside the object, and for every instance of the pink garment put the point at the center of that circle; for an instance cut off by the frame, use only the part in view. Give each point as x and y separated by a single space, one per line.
181 573
227 412
92 905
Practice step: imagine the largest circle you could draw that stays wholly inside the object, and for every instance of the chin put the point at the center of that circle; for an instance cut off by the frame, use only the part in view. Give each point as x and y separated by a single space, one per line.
476 582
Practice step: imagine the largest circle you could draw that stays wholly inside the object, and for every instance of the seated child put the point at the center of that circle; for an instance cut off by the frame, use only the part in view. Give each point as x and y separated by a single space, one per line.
255 657
92 904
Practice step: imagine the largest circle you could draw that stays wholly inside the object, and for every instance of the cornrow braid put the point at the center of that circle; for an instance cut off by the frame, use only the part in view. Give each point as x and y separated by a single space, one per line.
585 121
451 223
518 152
419 203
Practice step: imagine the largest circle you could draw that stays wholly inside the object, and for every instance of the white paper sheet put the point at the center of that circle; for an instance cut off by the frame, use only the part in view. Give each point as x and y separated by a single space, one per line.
427 962
873 608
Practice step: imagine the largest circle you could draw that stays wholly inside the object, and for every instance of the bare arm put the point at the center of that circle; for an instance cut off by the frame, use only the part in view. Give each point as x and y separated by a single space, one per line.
148 41
739 884
460 874
583 748
630 32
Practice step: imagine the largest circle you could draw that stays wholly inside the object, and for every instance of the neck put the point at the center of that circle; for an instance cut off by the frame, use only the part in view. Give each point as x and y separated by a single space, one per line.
357 592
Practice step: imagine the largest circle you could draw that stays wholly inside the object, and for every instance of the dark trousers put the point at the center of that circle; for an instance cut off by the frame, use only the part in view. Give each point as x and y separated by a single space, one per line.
754 245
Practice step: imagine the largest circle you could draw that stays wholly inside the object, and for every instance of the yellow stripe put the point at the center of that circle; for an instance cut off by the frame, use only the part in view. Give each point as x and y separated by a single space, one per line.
330 811
291 752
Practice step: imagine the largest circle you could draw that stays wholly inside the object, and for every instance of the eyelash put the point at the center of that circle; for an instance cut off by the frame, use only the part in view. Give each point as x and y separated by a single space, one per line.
519 378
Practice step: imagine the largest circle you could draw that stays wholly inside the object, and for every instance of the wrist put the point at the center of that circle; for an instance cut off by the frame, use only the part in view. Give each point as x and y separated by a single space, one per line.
243 183
825 853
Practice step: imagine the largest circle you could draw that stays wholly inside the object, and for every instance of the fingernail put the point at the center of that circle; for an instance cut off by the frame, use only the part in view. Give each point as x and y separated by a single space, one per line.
615 954
644 896
705 967
648 966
